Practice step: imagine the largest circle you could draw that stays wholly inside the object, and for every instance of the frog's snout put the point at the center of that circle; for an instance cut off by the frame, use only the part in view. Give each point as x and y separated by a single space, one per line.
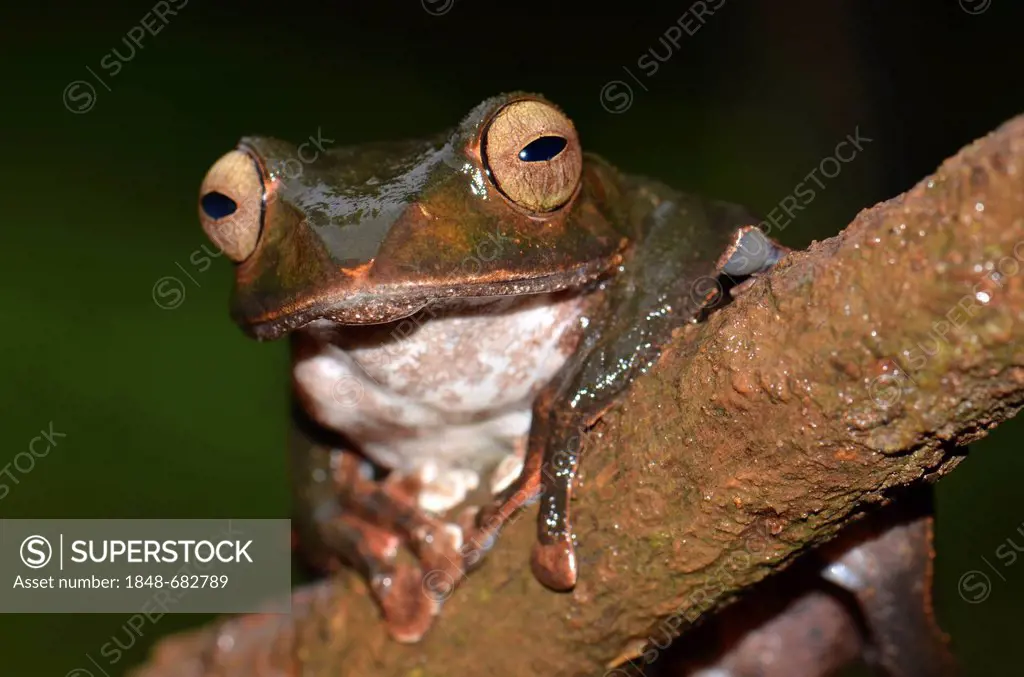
231 204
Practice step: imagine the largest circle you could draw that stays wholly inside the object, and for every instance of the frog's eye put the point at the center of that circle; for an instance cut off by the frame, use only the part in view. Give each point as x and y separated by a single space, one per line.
533 155
231 204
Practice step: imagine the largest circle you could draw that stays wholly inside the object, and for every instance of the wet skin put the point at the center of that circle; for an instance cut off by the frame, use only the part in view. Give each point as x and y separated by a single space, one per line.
460 310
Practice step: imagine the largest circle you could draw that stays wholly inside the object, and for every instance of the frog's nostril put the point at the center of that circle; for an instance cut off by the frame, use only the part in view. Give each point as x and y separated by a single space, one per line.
217 205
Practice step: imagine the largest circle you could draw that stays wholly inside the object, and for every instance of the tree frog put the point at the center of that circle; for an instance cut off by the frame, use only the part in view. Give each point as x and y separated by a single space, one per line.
459 310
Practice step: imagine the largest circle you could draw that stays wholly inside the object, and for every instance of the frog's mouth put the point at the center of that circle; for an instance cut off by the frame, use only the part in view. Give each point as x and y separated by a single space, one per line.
381 304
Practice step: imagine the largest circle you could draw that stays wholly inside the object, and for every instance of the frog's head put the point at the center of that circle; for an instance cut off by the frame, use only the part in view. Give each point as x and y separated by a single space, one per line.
507 203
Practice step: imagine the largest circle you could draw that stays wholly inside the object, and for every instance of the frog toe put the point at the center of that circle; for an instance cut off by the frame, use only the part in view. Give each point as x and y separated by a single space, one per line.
408 604
554 563
407 598
477 541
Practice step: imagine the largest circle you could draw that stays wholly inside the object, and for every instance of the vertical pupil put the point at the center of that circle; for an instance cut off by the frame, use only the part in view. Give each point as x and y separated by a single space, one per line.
542 149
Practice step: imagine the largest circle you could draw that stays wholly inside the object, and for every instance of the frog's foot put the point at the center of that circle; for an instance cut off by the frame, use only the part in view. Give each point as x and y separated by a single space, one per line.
398 590
376 518
548 473
890 574
553 561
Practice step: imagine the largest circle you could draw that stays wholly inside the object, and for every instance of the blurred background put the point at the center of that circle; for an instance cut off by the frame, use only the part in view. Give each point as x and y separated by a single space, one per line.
116 331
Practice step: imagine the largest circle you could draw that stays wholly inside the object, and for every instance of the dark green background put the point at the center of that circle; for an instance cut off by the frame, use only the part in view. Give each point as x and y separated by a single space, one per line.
173 413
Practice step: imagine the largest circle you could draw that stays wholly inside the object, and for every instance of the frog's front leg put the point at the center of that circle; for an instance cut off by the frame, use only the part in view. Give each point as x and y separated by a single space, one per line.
552 458
485 524
620 344
554 448
609 360
553 560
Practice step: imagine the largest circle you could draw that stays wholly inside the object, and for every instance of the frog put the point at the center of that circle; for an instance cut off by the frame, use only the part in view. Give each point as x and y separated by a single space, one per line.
460 311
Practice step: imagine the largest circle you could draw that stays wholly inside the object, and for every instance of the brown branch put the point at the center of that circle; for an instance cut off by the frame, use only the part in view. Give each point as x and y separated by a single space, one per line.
854 369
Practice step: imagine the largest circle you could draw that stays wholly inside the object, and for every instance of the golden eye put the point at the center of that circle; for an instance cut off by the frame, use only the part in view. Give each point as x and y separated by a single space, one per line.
231 204
533 155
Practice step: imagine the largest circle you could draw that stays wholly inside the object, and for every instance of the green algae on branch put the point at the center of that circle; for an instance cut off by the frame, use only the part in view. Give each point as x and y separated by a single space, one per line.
853 369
